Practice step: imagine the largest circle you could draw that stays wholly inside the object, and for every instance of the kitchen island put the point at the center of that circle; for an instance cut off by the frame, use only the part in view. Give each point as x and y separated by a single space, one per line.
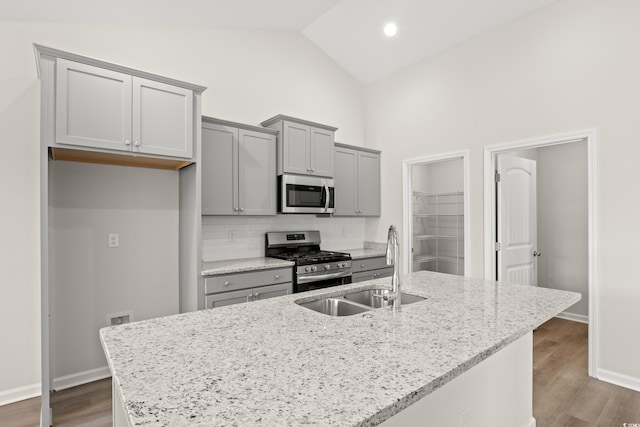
274 362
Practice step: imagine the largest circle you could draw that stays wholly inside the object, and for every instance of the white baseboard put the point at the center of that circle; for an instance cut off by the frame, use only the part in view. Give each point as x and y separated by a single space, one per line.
80 378
19 393
27 392
619 379
575 317
531 423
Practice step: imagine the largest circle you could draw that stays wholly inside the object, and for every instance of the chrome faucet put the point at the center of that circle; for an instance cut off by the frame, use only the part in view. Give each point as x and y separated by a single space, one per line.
393 258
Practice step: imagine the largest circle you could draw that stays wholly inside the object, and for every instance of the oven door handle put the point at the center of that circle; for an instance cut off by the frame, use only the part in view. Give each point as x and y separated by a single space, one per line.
319 277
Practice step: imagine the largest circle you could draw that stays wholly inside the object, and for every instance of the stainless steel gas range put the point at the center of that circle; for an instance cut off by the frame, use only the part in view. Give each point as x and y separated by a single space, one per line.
314 268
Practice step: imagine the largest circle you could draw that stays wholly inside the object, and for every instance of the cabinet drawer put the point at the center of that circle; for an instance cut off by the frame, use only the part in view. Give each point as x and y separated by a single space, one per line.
227 298
251 279
372 274
367 264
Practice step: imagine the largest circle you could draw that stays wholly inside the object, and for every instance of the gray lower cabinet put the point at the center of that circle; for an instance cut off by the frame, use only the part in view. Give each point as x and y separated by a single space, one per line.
249 286
247 295
304 148
357 181
108 109
238 169
370 268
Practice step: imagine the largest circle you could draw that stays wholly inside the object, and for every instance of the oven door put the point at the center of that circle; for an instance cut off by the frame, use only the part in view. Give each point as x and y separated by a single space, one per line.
304 284
305 194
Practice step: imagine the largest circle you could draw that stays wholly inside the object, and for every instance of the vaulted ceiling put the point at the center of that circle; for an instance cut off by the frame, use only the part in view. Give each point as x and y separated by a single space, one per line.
349 31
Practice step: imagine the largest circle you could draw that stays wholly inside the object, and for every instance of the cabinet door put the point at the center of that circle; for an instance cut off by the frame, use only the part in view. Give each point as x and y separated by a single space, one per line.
295 145
228 298
272 291
346 161
322 146
256 173
162 119
368 183
93 106
219 169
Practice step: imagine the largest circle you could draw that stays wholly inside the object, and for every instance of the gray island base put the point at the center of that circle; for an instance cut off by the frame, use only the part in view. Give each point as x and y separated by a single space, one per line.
463 354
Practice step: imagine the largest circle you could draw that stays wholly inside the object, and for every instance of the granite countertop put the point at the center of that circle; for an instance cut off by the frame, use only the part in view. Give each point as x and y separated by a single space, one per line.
211 268
361 253
273 362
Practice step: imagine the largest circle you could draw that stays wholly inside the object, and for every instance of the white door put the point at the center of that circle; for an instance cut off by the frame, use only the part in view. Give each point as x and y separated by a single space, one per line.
517 223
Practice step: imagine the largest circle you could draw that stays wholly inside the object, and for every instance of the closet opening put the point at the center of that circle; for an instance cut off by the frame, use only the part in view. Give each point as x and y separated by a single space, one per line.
436 214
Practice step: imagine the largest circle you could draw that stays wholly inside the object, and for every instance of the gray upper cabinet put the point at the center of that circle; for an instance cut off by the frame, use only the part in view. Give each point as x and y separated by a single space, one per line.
238 169
110 110
294 148
357 181
321 157
162 119
304 148
93 106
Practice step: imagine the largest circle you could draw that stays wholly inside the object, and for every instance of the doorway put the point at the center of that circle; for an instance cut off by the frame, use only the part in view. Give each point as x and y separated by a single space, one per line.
564 257
436 213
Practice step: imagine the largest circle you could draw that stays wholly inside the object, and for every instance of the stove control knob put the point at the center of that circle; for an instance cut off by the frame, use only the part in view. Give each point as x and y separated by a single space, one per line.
307 269
327 267
314 268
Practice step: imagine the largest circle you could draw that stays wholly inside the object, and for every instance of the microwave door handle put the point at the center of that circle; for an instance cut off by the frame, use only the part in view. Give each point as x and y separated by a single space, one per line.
326 197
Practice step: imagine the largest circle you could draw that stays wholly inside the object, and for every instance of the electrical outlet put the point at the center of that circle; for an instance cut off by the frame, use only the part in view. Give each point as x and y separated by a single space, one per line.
115 319
114 240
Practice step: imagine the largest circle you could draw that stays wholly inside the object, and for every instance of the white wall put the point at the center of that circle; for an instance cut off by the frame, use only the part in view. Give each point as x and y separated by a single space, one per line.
20 228
566 67
443 176
89 280
250 75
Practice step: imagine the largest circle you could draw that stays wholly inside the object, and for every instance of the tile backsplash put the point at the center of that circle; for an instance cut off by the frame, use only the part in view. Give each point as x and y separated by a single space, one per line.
243 237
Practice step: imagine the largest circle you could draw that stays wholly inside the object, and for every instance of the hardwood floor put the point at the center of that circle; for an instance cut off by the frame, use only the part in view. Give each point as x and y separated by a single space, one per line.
88 405
563 394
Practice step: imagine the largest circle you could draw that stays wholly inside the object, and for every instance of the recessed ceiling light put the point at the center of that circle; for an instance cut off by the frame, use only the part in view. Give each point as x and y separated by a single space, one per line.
390 29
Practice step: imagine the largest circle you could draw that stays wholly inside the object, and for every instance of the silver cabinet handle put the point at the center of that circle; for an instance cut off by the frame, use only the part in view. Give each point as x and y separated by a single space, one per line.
256 295
537 253
136 143
127 142
249 297
227 283
277 276
241 209
313 169
361 265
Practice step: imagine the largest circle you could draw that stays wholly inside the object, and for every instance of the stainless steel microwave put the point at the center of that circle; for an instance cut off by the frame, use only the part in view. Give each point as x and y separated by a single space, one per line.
305 194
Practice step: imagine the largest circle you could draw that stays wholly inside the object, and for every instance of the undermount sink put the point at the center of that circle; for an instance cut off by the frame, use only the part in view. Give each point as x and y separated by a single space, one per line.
375 297
357 302
335 307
